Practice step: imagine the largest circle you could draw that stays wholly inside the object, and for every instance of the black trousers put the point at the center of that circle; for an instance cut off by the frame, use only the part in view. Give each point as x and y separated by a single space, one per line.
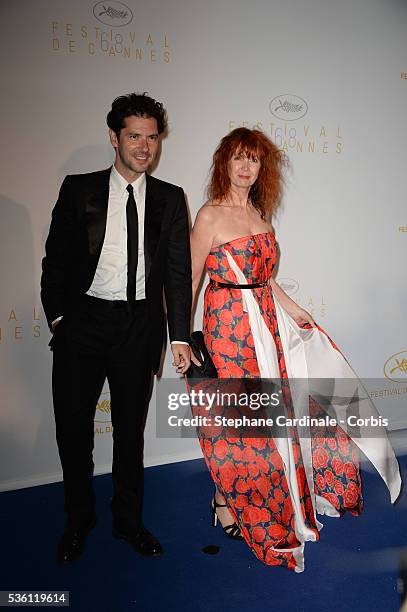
98 340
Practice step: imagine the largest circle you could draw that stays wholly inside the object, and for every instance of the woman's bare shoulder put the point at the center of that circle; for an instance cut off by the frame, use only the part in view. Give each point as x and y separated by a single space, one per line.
209 211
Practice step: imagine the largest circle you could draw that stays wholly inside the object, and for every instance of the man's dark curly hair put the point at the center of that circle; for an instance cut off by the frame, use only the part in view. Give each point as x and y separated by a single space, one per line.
140 105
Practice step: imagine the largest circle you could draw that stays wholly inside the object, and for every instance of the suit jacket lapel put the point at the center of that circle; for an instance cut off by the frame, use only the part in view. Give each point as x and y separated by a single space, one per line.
96 213
152 223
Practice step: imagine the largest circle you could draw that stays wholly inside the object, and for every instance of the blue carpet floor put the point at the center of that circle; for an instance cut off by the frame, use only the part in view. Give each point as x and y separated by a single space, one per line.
353 567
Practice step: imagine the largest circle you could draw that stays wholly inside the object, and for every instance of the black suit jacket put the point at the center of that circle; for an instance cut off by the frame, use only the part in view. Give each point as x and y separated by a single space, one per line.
75 242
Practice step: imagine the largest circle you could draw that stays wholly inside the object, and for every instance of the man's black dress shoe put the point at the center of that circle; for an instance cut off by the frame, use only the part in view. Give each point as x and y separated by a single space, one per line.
141 541
72 543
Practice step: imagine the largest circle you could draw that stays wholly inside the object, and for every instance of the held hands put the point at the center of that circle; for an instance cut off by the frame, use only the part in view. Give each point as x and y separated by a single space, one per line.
195 360
182 357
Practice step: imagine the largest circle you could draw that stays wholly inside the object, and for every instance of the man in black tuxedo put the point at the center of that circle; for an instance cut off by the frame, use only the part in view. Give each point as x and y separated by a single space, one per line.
118 237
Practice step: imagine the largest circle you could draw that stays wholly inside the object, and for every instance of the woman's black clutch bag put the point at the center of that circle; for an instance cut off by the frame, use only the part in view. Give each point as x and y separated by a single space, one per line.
207 368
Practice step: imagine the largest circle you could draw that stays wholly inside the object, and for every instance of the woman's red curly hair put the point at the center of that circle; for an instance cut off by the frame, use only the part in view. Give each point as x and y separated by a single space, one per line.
266 192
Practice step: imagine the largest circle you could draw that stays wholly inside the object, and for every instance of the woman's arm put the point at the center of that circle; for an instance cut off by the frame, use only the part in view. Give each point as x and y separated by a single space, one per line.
202 238
297 313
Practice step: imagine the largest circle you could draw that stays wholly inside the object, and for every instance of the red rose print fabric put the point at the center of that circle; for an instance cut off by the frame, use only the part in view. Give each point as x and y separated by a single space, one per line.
249 471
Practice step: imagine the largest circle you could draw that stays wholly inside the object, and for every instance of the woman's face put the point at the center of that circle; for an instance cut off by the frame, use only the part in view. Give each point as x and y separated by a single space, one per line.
243 170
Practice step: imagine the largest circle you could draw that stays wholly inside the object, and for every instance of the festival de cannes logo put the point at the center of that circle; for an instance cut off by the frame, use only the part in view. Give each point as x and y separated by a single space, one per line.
113 13
395 368
289 285
288 107
103 409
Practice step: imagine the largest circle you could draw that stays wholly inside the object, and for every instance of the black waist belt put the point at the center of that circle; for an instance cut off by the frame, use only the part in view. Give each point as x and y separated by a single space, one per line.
231 286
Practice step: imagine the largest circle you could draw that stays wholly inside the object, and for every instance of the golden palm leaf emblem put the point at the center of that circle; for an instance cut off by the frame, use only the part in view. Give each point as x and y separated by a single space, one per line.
104 406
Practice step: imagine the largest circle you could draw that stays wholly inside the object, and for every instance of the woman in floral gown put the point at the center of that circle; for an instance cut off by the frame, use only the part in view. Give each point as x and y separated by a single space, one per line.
271 488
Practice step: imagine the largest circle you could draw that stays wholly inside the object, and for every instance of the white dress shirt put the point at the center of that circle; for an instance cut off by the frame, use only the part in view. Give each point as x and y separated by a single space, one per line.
110 280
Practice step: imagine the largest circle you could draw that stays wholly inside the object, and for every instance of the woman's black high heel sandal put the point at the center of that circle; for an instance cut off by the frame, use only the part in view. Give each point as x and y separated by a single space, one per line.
233 530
